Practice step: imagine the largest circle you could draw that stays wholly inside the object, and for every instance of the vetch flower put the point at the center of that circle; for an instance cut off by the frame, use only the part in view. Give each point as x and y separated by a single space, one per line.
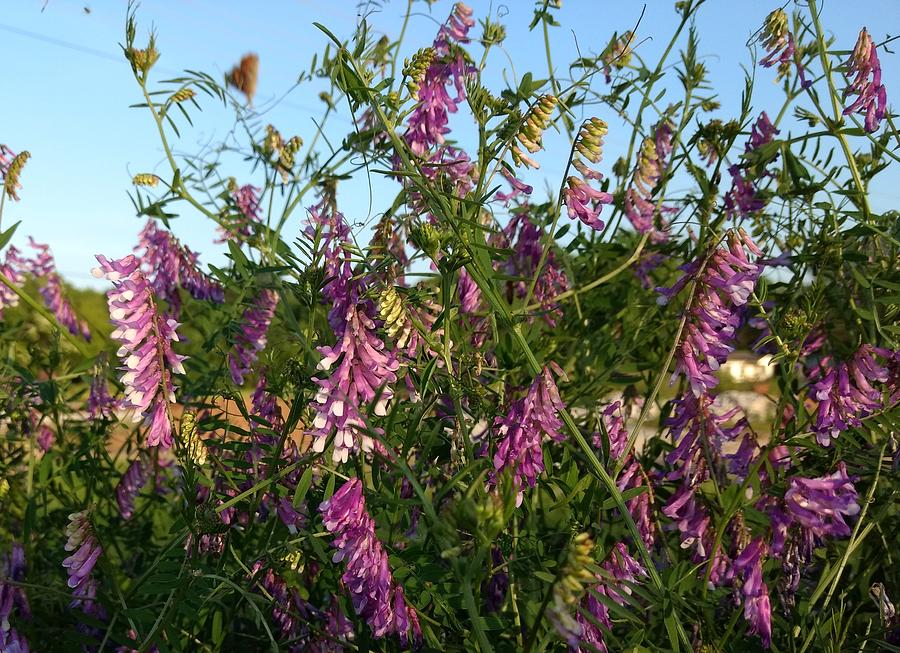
530 134
148 360
168 265
865 71
238 227
367 576
43 267
820 505
845 392
100 404
651 164
619 569
11 267
252 334
780 48
131 483
757 610
724 284
84 548
617 54
743 198
13 599
523 428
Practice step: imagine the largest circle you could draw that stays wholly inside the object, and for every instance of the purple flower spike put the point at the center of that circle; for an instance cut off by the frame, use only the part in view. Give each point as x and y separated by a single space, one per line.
820 505
522 430
780 48
725 285
85 550
148 360
373 592
251 338
239 228
131 483
168 264
757 609
651 164
43 267
846 394
12 597
865 71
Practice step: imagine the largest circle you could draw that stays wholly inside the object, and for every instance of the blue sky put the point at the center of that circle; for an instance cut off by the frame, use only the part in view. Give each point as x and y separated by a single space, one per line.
67 90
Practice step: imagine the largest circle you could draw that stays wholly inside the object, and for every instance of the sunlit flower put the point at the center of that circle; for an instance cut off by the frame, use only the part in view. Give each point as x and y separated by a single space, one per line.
865 71
146 337
820 505
84 548
780 48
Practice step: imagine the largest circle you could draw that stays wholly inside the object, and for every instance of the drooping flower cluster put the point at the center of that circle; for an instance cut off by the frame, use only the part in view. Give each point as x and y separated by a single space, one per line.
402 322
131 483
145 336
522 430
523 238
85 550
44 267
846 394
239 227
569 588
11 165
864 69
252 334
724 284
531 133
376 597
582 200
168 265
747 566
651 163
743 198
632 475
13 600
820 505
781 51
365 371
293 615
11 268
617 54
428 122
619 569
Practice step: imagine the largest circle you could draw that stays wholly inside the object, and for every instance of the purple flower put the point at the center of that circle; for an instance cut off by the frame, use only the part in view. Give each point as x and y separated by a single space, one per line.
44 267
747 566
523 429
585 202
469 293
845 393
632 475
523 238
246 199
820 505
168 264
495 588
724 285
367 577
134 478
11 641
743 197
100 404
428 122
252 334
865 69
148 360
619 569
651 163
85 550
12 597
779 45
11 268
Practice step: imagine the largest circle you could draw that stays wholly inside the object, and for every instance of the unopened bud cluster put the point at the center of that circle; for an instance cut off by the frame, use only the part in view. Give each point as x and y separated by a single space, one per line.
145 179
414 69
531 134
